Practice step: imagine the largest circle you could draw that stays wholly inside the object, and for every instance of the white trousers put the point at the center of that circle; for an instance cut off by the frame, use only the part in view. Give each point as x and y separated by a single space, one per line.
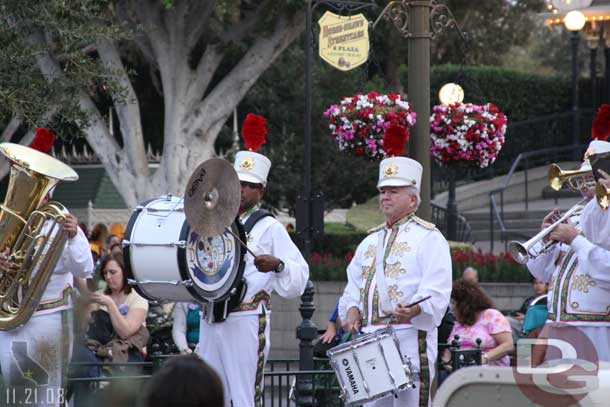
237 349
597 348
34 360
421 348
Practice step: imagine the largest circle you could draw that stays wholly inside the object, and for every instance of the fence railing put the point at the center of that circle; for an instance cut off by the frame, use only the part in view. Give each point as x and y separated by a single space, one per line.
440 217
524 161
280 378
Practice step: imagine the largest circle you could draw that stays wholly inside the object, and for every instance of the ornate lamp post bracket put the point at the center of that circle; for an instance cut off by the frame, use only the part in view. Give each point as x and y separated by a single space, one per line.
441 18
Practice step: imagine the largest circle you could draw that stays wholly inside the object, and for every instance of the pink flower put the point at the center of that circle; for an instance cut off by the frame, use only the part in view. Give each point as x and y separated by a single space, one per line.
359 123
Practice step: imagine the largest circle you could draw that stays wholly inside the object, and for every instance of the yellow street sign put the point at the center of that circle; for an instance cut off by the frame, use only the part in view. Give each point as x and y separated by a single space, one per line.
344 41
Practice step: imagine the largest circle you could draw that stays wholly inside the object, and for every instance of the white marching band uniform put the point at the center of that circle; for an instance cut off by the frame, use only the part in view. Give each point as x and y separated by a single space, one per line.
579 276
34 357
417 263
579 279
237 348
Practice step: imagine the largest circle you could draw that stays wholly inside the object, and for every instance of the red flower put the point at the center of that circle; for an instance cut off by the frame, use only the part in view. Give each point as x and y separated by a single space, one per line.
372 94
43 140
254 131
394 140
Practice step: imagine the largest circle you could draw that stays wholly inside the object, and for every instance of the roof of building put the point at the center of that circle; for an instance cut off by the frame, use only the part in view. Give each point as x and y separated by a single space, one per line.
93 185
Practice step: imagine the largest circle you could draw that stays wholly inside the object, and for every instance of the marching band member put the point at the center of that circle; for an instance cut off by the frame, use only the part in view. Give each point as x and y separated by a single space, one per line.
238 346
578 272
399 262
34 357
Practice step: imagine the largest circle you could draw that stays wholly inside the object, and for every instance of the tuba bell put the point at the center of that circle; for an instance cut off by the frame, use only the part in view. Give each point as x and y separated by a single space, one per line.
31 230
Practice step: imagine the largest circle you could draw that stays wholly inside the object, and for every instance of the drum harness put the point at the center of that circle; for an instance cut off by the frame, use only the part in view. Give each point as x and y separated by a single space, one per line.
218 312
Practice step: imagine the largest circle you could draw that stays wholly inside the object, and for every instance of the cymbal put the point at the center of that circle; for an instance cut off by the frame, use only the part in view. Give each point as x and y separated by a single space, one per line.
212 197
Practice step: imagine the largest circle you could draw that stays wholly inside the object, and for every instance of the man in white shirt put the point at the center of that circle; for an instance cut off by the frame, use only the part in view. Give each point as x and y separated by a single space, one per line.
237 348
578 272
400 262
34 357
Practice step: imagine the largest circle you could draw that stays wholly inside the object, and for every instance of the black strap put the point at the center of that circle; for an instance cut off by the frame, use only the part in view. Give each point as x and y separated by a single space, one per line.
222 309
255 217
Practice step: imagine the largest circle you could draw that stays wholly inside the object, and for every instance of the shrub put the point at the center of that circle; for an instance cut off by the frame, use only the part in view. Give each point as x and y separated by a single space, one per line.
491 267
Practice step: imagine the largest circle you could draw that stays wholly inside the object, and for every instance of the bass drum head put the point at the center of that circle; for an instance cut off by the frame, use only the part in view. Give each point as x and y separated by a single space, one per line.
215 264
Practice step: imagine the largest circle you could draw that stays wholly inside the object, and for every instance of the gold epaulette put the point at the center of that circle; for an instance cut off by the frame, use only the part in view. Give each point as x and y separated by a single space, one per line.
376 228
426 224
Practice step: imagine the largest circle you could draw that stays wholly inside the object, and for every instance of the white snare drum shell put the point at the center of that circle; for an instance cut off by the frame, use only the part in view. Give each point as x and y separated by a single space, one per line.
369 367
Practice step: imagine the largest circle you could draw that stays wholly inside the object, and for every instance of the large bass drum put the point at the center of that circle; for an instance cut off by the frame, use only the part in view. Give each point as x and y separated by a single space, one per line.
166 261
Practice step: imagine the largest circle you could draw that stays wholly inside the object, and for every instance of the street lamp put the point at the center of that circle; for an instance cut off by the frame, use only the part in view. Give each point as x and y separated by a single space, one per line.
449 94
575 21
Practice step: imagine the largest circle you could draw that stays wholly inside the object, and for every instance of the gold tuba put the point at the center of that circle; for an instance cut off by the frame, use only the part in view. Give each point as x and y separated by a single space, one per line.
33 233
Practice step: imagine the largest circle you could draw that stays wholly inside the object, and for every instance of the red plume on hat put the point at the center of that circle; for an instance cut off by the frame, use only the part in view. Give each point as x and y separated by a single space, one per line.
254 131
600 129
43 140
394 140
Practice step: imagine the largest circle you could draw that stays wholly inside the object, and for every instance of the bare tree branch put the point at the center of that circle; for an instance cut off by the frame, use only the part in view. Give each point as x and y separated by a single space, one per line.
200 78
153 71
219 104
10 129
128 108
97 133
247 25
124 15
197 21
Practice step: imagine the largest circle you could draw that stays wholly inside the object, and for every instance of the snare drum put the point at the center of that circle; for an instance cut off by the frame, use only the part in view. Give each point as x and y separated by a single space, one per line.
370 367
166 261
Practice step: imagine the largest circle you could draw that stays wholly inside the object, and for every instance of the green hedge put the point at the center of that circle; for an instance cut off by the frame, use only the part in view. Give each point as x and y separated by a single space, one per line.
491 268
519 95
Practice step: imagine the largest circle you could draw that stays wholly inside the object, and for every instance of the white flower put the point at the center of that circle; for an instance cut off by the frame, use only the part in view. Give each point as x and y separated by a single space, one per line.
404 105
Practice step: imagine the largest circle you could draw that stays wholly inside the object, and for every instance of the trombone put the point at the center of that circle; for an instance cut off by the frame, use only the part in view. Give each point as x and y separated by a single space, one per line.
522 252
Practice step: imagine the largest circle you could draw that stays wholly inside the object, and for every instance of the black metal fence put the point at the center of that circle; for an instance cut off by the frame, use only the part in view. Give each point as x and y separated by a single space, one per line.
280 377
524 161
440 218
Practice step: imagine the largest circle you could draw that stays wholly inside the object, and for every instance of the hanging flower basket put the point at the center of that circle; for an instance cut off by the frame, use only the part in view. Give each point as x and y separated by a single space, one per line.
359 123
466 135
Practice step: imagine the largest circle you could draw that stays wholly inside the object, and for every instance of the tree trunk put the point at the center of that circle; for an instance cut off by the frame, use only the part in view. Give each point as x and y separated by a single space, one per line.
192 122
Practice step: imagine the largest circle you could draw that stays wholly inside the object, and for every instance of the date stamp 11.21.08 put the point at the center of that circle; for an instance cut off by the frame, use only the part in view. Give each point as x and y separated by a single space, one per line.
33 396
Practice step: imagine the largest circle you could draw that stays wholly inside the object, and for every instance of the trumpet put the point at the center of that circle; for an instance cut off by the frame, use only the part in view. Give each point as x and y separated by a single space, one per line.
576 179
602 195
522 252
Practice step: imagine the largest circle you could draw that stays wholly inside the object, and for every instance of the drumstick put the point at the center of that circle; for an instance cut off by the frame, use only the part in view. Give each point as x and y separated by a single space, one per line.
418 301
240 241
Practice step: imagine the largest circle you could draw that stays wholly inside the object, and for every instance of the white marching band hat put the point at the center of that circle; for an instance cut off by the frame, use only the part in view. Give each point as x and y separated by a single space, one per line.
399 172
597 147
252 167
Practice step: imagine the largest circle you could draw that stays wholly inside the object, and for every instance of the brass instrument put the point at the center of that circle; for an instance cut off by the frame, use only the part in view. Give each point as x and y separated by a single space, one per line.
602 195
575 178
522 252
33 233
